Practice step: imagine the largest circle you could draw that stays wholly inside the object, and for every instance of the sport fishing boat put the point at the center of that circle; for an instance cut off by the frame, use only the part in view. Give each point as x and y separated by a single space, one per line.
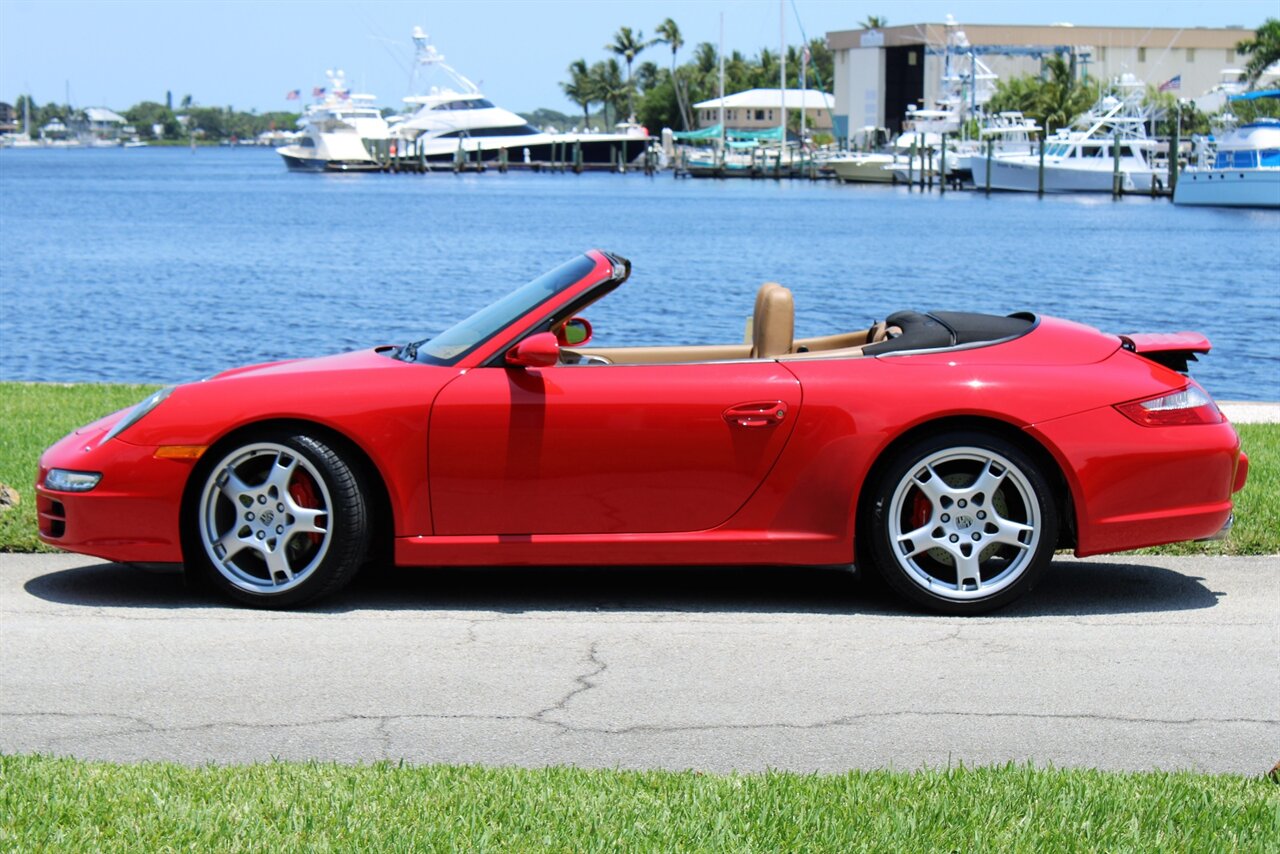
453 118
1112 135
1244 168
334 131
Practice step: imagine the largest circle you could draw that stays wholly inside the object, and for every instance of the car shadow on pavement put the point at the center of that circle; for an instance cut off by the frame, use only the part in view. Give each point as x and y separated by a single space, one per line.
1068 588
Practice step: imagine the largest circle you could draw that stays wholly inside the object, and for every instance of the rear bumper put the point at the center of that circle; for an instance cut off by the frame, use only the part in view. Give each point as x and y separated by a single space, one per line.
1222 532
131 516
1135 486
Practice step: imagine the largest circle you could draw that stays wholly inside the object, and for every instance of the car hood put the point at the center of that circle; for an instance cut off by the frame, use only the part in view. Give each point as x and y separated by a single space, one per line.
355 360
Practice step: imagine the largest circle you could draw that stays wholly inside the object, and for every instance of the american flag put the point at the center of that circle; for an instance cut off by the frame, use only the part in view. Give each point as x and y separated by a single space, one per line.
317 91
294 94
343 95
1174 82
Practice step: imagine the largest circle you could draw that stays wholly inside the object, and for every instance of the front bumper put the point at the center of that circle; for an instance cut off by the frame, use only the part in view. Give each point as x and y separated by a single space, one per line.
131 516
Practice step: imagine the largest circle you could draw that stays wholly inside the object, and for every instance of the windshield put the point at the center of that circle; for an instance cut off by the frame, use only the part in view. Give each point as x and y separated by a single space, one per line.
459 339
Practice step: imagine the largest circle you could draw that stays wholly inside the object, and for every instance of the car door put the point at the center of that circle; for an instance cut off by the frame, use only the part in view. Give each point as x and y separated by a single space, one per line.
605 449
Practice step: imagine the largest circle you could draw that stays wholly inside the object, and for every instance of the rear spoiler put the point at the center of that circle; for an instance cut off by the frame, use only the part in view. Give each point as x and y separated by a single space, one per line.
1175 350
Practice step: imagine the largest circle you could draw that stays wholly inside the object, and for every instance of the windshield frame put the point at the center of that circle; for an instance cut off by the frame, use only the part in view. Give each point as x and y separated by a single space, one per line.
475 338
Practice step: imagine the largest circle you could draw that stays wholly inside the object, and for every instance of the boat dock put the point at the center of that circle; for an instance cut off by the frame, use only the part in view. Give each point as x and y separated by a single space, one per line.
410 157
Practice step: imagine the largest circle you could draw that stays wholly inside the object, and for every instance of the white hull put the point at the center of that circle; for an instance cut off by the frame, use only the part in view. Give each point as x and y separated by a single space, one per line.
1023 175
1258 188
863 169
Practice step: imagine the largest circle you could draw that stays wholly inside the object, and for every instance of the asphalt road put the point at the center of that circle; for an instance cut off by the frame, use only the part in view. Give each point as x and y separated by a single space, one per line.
1137 663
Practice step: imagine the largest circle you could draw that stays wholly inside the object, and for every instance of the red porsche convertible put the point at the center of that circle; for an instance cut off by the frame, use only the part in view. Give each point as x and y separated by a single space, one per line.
950 452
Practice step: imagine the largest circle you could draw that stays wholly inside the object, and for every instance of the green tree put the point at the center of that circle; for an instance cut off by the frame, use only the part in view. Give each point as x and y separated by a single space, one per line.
581 89
611 90
1054 100
668 33
1263 50
1062 97
628 45
874 22
147 114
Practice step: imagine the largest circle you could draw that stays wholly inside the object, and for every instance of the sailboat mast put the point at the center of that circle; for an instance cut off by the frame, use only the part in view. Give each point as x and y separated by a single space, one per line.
782 71
721 52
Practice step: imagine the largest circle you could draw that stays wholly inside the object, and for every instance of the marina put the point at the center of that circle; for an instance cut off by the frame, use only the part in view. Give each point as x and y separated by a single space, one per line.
180 264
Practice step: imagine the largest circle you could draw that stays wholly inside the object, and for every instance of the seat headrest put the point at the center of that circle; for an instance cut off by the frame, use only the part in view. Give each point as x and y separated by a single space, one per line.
773 325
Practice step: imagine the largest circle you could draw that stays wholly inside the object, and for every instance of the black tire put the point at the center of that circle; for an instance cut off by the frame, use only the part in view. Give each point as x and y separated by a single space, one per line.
276 520
961 523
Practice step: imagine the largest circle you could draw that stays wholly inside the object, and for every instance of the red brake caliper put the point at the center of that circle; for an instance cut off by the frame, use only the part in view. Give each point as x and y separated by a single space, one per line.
921 510
302 490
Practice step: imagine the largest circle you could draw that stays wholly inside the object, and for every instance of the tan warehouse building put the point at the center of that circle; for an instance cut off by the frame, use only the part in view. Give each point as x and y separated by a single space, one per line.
879 73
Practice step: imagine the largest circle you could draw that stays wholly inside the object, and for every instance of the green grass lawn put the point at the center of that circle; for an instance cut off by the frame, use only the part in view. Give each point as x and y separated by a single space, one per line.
65 804
34 416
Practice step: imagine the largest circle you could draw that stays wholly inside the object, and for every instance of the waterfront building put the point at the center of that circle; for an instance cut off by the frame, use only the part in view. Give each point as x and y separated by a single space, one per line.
880 72
101 123
8 118
761 109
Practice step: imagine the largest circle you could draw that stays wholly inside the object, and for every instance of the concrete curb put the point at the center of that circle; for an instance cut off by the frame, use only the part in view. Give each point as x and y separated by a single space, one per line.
1250 411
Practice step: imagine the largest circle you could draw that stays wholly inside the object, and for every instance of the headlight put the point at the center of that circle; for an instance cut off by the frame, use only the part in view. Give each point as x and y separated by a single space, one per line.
66 480
135 415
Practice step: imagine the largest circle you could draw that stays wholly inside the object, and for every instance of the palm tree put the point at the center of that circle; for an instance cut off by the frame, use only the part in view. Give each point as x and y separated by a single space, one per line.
874 22
1263 50
628 45
669 33
581 89
1062 98
610 88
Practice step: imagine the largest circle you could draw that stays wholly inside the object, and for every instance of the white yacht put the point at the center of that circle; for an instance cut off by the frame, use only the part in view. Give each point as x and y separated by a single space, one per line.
1243 171
1082 161
334 130
1008 133
451 115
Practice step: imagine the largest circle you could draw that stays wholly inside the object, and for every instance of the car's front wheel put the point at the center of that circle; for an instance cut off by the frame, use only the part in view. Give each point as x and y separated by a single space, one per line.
278 521
962 523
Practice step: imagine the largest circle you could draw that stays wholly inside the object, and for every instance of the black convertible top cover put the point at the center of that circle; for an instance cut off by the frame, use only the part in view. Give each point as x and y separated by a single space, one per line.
937 329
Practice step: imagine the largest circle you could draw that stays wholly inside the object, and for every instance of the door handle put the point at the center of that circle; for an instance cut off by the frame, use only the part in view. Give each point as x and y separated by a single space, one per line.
764 413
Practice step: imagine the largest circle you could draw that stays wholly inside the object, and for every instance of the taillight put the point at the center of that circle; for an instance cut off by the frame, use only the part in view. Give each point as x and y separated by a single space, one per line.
1189 406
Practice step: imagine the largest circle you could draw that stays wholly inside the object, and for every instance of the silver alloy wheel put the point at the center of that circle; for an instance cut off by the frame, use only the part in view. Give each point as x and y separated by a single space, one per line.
264 518
964 523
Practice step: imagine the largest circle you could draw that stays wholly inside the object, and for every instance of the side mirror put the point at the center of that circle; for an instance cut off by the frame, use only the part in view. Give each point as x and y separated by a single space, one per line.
536 351
574 331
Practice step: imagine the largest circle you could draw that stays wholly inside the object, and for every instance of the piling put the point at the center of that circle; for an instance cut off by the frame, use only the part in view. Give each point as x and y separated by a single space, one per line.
1040 176
502 161
1174 145
926 169
577 157
942 168
911 162
1116 179
990 145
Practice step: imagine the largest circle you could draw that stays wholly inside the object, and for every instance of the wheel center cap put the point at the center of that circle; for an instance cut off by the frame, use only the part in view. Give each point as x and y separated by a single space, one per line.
267 516
963 522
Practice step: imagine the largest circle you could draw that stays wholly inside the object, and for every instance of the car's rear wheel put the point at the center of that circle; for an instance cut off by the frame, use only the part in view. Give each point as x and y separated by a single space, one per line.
279 521
962 523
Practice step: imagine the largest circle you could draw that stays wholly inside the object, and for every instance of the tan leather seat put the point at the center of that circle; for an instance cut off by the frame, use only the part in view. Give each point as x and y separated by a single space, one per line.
773 322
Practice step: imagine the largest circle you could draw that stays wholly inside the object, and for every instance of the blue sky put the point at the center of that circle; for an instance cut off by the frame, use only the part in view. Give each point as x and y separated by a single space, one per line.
249 53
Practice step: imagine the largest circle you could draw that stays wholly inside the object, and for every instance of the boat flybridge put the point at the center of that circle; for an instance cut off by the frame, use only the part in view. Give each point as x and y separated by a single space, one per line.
451 115
334 131
1242 169
966 85
1084 159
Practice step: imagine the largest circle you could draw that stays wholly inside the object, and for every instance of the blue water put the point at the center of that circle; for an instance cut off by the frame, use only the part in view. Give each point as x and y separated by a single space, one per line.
165 265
